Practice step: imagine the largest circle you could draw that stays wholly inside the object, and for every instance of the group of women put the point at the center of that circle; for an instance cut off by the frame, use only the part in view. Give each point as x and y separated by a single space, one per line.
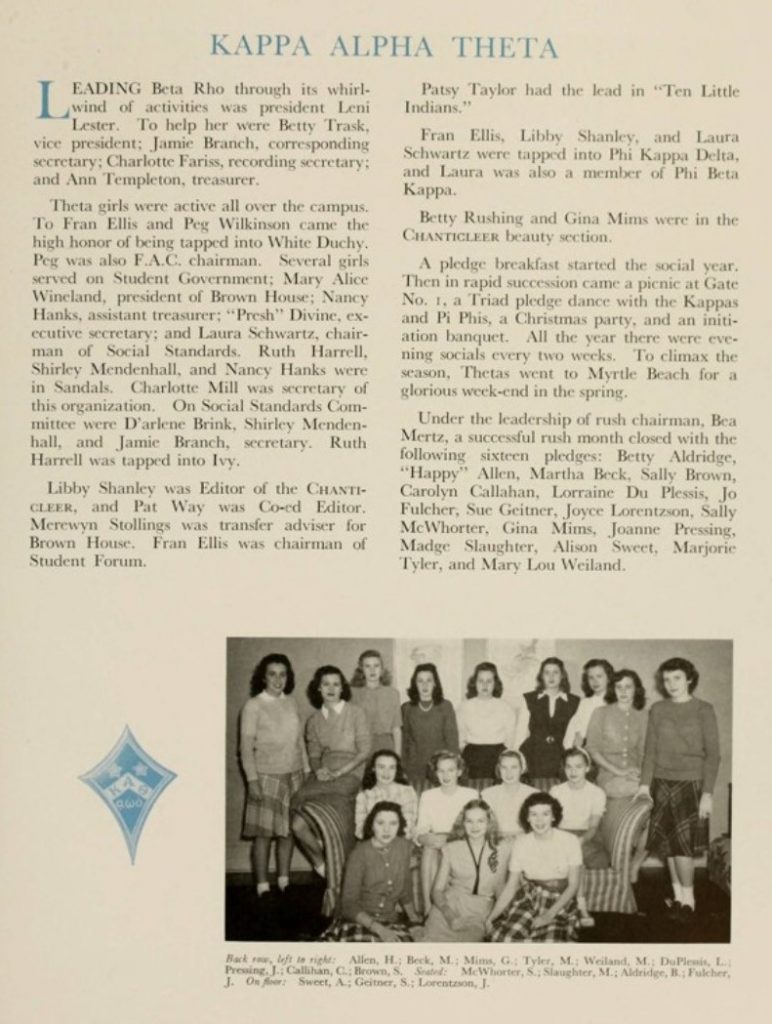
419 787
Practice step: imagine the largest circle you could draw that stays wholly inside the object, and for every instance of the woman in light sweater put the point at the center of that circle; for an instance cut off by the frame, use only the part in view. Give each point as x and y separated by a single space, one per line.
680 764
438 809
372 691
486 724
338 744
597 675
271 756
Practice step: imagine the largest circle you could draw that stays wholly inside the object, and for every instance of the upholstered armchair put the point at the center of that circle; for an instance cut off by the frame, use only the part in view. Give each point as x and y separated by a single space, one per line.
610 890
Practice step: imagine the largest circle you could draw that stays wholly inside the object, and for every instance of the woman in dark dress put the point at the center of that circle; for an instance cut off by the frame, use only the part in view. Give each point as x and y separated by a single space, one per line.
543 721
428 724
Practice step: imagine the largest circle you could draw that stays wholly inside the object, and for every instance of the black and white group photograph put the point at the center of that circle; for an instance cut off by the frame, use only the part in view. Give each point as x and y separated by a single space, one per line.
478 790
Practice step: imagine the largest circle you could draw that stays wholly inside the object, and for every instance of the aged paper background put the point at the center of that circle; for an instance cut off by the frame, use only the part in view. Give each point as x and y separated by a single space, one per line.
87 936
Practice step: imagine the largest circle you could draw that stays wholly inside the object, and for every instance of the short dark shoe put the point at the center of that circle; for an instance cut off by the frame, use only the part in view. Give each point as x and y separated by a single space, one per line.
673 910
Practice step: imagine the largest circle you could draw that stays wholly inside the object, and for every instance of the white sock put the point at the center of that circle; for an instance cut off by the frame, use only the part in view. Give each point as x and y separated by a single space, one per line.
687 896
263 888
282 881
678 892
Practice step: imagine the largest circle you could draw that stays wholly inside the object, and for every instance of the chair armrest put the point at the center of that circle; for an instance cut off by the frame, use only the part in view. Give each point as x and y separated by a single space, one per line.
630 822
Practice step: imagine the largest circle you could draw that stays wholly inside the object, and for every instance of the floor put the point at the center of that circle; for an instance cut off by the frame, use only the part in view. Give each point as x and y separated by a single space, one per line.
295 916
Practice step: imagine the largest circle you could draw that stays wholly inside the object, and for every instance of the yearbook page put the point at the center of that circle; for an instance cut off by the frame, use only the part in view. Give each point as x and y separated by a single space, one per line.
386 576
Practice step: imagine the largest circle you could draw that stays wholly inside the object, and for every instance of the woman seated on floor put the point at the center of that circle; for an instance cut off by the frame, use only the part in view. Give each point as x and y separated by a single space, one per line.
377 897
472 873
538 902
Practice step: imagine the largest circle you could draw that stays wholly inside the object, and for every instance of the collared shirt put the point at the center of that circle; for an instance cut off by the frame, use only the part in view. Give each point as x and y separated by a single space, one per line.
337 708
332 738
524 715
581 719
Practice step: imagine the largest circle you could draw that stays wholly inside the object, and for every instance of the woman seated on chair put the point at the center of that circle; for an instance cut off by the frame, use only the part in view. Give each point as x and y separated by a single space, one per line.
438 809
506 798
584 804
538 902
384 779
615 740
471 875
377 897
338 744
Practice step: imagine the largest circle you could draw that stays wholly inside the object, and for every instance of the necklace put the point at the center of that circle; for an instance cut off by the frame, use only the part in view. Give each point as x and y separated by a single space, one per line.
477 861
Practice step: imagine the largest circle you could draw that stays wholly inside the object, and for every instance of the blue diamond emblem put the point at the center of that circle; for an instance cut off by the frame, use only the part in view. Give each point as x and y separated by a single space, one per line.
129 781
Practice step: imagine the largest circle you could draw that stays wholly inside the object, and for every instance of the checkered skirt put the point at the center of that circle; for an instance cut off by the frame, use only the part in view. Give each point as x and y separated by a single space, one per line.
269 814
516 924
348 931
676 829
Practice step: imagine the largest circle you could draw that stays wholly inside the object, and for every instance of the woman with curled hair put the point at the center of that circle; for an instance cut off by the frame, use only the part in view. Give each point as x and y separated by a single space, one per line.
384 779
597 675
486 724
271 755
338 744
471 875
616 734
371 690
376 902
680 764
615 742
438 809
584 804
543 721
428 724
538 902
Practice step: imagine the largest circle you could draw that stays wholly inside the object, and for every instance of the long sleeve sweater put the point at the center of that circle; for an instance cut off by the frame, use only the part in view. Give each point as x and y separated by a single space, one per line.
270 740
332 739
682 743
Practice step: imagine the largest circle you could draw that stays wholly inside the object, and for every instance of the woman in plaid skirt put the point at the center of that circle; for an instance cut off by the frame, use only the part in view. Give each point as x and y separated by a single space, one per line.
271 756
538 902
680 764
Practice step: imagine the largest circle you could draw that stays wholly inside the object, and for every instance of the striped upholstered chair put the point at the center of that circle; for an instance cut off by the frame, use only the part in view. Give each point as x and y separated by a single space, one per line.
328 825
609 890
